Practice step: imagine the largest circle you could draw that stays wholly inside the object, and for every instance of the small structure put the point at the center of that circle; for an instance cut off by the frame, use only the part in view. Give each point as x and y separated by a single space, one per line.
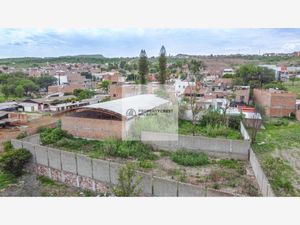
277 103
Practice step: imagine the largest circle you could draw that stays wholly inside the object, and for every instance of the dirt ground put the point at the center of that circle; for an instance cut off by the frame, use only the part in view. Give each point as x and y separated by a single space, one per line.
29 185
12 132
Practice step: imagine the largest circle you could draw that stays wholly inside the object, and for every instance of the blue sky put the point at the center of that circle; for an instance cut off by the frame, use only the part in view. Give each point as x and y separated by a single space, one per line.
129 42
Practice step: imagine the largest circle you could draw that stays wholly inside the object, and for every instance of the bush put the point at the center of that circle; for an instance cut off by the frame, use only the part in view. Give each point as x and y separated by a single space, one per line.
53 135
128 182
232 164
7 146
190 158
234 122
212 118
22 135
13 161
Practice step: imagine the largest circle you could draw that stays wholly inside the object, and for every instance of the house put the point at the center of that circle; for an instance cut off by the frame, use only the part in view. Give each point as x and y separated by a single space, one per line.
8 106
181 85
242 94
109 119
28 107
277 103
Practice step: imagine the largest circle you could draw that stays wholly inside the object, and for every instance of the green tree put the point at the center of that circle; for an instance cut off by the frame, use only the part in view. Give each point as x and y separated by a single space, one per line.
45 81
20 91
105 84
254 76
128 182
5 90
162 65
143 67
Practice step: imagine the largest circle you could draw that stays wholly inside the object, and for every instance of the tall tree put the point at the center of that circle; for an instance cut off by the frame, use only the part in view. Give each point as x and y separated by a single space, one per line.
162 65
143 66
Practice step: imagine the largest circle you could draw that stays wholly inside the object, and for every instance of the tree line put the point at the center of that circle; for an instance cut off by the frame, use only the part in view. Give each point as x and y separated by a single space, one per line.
21 85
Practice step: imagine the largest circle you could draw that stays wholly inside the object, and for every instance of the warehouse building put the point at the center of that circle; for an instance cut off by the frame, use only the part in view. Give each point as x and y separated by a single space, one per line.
110 119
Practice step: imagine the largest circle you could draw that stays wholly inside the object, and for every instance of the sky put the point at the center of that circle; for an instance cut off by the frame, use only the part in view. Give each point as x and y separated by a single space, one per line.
129 42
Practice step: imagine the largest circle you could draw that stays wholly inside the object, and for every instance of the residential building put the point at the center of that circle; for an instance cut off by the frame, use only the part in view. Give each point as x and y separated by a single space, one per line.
277 103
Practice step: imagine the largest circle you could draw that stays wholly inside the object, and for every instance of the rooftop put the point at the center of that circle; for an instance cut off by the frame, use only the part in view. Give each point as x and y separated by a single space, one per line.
137 103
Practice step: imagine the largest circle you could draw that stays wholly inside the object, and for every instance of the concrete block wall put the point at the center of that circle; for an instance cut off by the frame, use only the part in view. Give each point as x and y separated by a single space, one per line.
95 174
236 149
261 178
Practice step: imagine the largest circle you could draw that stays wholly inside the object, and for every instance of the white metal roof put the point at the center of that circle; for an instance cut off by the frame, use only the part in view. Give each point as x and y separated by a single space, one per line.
138 103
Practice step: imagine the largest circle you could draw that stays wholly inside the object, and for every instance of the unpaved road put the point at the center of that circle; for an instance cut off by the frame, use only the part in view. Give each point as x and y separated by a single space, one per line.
10 133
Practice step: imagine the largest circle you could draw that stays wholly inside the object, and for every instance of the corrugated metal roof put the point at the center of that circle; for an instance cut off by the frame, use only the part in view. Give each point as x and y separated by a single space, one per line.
137 103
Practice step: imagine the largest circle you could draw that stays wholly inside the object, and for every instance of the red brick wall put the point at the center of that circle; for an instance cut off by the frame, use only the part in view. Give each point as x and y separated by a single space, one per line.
275 104
92 128
64 89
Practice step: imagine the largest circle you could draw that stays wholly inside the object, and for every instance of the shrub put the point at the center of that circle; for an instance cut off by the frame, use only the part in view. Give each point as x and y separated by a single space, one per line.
232 164
234 122
146 164
13 161
212 118
53 135
190 158
22 135
128 182
7 146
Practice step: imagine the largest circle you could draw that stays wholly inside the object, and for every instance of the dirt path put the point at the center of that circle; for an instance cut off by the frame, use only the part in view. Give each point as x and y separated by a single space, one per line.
13 132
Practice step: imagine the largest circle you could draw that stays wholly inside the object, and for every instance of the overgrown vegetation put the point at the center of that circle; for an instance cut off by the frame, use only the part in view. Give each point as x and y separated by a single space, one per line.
6 179
274 145
13 161
190 158
128 182
215 130
98 149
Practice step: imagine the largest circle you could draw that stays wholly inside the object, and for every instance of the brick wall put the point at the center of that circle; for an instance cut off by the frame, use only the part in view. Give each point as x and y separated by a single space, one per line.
275 104
93 128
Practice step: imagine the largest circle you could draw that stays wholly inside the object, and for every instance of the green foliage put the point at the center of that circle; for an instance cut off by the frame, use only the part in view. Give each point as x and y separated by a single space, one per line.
232 164
146 164
162 65
13 161
280 174
7 145
105 84
185 158
83 93
143 67
6 179
97 149
187 128
128 182
46 181
45 81
22 135
275 85
212 118
51 136
255 76
228 75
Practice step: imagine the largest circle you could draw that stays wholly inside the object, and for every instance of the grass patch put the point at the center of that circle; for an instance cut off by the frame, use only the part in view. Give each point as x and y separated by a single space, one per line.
279 134
187 128
232 164
293 87
280 174
6 179
46 181
185 158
